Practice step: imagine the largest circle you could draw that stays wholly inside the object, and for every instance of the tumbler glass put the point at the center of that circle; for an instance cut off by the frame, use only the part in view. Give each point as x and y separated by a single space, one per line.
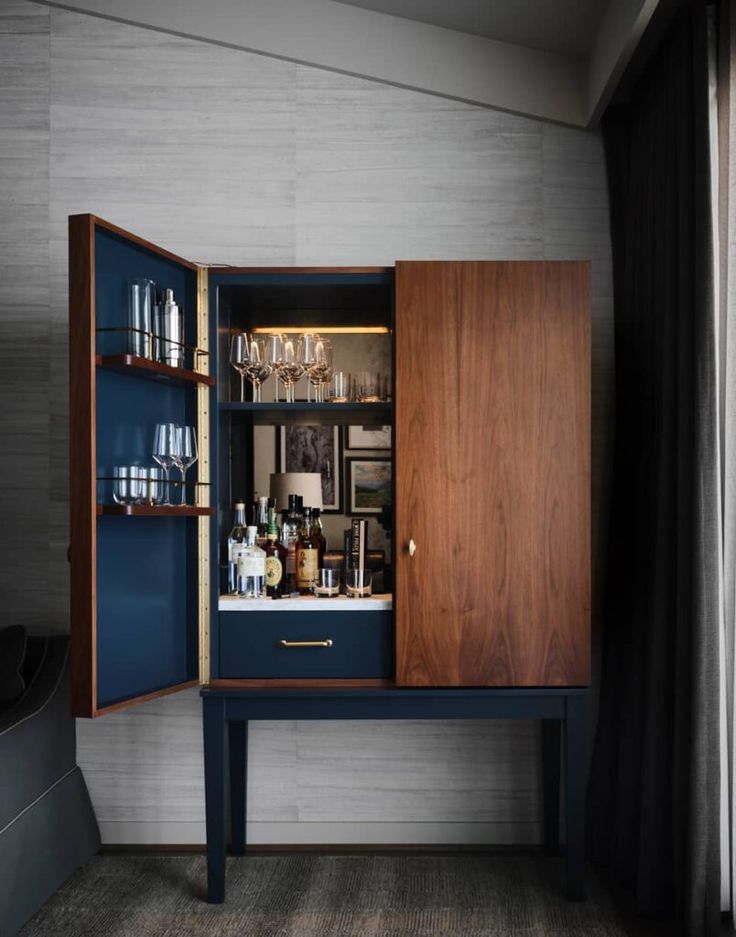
327 585
141 300
359 583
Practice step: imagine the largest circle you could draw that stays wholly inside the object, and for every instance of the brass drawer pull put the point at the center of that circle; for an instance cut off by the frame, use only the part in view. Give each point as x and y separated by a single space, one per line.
326 643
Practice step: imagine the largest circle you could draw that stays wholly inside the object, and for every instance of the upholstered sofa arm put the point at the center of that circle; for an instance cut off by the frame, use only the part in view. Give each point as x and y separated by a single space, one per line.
37 735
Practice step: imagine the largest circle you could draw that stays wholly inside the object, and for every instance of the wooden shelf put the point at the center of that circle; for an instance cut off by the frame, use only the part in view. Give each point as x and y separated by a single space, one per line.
153 510
152 370
345 414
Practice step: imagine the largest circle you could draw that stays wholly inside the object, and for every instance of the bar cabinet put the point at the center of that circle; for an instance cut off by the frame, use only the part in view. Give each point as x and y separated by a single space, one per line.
490 611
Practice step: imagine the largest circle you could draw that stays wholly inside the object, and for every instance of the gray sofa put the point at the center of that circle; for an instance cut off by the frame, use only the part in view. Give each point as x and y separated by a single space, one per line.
47 826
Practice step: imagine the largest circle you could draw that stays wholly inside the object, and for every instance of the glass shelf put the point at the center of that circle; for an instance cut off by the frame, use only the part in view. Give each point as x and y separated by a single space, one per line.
348 414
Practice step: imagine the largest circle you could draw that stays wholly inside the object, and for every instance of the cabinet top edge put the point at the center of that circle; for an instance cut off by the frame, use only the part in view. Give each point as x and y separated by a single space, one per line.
96 222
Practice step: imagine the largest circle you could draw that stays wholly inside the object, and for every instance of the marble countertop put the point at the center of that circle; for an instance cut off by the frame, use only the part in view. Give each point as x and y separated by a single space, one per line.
306 603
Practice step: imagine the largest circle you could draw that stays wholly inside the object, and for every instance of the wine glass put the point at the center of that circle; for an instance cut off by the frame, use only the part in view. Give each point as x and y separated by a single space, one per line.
310 359
274 357
325 369
185 455
239 358
257 367
165 444
292 364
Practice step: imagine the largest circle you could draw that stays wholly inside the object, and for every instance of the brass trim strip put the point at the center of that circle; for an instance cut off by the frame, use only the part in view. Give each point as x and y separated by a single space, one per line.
203 473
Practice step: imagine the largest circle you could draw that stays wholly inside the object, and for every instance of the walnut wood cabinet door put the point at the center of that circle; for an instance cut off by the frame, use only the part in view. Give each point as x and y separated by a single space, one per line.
492 397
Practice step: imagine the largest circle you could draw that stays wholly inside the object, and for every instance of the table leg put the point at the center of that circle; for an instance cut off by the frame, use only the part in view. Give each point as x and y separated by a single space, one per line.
575 773
215 783
238 739
551 766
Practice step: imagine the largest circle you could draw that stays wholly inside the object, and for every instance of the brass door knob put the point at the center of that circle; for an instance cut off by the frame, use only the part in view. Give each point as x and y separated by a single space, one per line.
412 548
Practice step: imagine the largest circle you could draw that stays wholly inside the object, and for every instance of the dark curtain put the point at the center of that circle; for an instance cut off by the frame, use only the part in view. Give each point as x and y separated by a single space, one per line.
654 790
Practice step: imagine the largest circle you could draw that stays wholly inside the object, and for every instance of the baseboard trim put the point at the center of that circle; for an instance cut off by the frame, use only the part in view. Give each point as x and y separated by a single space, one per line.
332 834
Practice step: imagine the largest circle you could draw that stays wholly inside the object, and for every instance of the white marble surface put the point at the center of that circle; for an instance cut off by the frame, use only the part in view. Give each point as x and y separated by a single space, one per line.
224 156
306 603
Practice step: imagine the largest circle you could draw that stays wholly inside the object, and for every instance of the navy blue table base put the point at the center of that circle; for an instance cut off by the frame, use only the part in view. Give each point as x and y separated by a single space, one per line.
227 713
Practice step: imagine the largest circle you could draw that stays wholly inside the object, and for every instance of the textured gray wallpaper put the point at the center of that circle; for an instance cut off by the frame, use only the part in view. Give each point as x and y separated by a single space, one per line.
225 156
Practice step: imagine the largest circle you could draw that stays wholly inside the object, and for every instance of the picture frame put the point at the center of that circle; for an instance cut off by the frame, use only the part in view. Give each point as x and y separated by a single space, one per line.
368 437
368 485
314 449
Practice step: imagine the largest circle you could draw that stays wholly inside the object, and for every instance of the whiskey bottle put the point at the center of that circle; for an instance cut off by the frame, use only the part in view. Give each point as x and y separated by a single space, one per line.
276 554
307 557
318 533
234 539
290 531
251 567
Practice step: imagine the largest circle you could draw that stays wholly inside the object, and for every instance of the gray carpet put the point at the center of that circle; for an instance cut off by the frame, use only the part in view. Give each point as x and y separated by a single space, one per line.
306 895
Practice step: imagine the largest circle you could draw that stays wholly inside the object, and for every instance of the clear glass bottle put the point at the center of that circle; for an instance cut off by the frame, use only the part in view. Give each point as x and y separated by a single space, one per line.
261 521
235 538
251 567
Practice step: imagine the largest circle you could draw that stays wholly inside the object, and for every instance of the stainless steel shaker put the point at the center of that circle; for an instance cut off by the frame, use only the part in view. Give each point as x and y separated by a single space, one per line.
169 320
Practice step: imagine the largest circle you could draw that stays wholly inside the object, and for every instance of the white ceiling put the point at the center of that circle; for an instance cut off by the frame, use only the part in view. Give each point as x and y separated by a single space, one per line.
557 60
566 26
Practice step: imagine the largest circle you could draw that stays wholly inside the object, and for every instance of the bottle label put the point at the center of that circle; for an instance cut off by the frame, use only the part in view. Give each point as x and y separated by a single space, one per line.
274 571
307 563
232 551
251 565
291 561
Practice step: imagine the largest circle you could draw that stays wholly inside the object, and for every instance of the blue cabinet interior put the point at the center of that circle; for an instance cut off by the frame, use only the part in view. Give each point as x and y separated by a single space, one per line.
147 628
241 301
147 571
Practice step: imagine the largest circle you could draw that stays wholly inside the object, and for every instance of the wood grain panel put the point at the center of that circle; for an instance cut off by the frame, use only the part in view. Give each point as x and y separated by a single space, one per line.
493 473
82 466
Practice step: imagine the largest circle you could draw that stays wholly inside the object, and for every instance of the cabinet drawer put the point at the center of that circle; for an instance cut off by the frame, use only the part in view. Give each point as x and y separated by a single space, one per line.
361 644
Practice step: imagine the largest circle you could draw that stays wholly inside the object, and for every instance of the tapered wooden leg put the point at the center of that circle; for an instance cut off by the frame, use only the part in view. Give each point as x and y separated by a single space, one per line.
215 785
238 738
575 773
551 767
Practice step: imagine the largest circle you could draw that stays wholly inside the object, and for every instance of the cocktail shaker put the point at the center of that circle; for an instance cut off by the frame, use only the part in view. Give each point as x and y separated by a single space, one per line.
169 318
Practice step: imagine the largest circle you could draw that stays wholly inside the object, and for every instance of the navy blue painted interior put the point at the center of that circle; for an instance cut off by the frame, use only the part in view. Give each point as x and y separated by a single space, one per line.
146 566
237 652
146 608
117 262
362 644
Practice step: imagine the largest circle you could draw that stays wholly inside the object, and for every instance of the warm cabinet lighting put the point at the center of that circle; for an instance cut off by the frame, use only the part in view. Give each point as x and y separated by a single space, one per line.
323 329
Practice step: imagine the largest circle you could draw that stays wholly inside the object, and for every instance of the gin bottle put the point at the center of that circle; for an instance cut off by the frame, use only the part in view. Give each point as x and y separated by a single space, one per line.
251 567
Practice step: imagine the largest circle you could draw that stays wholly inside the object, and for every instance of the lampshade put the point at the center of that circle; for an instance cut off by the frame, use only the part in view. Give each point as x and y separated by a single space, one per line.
306 484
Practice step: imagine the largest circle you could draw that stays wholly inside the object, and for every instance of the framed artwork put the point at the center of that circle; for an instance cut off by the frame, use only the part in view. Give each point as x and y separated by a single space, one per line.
314 449
369 437
368 485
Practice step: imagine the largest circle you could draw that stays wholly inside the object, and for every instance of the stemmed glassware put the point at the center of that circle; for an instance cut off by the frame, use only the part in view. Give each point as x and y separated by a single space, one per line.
239 358
318 363
165 447
274 350
185 455
286 356
174 445
257 367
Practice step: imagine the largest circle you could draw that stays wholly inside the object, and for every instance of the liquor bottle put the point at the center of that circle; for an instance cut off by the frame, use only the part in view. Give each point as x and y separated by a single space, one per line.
251 567
290 531
234 539
261 520
318 532
276 554
307 556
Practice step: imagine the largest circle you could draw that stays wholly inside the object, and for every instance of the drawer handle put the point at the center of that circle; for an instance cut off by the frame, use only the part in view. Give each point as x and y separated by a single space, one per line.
326 643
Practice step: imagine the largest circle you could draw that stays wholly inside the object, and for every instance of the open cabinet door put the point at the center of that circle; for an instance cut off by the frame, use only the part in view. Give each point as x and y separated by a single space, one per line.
139 571
492 520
